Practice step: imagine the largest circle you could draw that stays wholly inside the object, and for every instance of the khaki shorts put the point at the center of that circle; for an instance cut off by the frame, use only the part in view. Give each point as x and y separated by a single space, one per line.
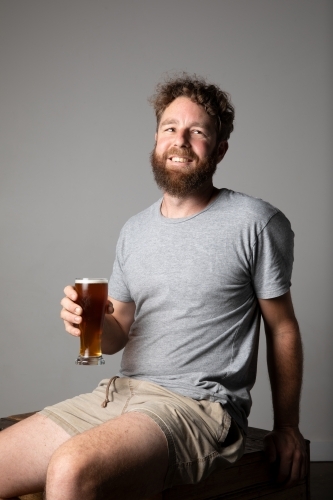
201 435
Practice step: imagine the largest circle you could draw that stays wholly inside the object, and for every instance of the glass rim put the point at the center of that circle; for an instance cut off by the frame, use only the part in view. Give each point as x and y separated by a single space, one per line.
91 280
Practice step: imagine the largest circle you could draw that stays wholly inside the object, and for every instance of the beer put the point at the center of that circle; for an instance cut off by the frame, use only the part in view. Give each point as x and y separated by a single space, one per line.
92 297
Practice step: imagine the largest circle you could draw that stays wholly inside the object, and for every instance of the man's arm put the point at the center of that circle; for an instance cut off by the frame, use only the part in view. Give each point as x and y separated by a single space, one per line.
117 323
285 445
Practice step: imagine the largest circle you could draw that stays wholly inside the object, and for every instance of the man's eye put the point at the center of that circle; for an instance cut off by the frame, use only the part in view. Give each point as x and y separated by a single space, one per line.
197 132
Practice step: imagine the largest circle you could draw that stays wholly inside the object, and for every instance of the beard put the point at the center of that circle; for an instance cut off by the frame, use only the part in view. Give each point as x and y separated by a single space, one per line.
188 179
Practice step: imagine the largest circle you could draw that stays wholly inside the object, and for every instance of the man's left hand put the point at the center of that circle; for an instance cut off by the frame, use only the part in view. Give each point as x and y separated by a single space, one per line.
286 451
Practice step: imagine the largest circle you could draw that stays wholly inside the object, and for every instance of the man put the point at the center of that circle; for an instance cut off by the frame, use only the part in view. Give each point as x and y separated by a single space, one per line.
192 276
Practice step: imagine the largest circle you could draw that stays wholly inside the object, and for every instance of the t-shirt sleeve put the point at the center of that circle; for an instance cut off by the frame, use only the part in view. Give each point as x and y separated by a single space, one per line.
272 258
118 287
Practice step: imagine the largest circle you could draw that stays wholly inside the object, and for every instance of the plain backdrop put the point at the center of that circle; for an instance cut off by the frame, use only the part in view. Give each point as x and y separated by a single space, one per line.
76 133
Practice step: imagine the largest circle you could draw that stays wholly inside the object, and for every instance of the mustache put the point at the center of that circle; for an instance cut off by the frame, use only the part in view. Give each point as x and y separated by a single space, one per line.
181 152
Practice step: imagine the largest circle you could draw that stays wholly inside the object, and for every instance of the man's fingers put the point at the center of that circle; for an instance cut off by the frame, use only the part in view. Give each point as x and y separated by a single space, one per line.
70 292
71 329
295 470
285 470
71 306
286 448
71 312
299 467
270 449
306 465
109 307
70 317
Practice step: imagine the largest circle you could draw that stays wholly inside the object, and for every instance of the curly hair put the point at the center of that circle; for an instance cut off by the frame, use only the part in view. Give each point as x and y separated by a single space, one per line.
216 102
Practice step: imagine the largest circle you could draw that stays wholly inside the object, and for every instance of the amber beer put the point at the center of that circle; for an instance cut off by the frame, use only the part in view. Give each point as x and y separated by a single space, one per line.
92 297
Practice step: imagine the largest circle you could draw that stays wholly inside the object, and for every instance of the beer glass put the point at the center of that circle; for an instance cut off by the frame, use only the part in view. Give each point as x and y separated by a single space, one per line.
92 297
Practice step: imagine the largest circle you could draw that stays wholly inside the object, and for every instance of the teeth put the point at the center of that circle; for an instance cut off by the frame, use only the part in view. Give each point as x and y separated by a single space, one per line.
180 160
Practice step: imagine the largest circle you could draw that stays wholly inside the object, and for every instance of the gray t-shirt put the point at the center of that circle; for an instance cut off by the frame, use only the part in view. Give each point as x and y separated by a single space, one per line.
195 282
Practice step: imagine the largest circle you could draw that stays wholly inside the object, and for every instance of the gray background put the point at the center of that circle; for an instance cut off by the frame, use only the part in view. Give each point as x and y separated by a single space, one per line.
76 131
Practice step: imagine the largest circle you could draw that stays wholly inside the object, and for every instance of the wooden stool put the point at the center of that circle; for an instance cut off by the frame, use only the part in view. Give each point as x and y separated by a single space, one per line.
247 479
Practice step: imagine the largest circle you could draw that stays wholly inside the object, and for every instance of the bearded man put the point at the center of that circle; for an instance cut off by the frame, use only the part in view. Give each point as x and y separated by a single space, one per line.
192 277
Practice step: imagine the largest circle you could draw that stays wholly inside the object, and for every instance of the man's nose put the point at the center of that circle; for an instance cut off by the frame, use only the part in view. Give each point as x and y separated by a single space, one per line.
182 139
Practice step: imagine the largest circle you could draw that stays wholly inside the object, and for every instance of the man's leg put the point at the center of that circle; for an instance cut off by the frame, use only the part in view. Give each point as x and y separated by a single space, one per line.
25 452
124 458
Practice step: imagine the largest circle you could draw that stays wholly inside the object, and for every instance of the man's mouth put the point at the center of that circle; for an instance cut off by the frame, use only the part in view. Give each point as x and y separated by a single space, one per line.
180 159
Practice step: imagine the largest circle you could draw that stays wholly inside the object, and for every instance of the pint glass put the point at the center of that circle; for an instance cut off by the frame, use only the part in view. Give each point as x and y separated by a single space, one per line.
92 297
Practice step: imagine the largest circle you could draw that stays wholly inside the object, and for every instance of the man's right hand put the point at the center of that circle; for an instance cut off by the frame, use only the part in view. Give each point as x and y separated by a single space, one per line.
71 312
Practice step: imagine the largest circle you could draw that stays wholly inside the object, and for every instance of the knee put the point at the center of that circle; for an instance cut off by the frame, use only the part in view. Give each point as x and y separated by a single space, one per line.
69 475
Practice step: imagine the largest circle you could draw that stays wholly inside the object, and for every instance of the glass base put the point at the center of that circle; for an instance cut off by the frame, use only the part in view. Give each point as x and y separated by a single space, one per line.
90 360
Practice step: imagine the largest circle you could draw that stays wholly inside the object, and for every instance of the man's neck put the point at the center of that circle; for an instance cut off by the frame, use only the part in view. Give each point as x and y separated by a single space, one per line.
175 208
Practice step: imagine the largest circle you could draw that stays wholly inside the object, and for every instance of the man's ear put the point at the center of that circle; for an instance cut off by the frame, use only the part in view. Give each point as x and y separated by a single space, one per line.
221 150
155 137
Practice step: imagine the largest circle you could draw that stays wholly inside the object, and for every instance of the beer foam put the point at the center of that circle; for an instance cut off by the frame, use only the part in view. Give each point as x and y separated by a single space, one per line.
91 280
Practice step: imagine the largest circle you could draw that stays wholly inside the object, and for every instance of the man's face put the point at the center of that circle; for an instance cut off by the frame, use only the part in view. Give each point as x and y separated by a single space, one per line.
186 153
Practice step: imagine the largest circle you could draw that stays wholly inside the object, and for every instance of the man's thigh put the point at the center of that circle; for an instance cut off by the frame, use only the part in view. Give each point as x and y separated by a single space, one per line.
195 430
25 452
126 458
123 458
